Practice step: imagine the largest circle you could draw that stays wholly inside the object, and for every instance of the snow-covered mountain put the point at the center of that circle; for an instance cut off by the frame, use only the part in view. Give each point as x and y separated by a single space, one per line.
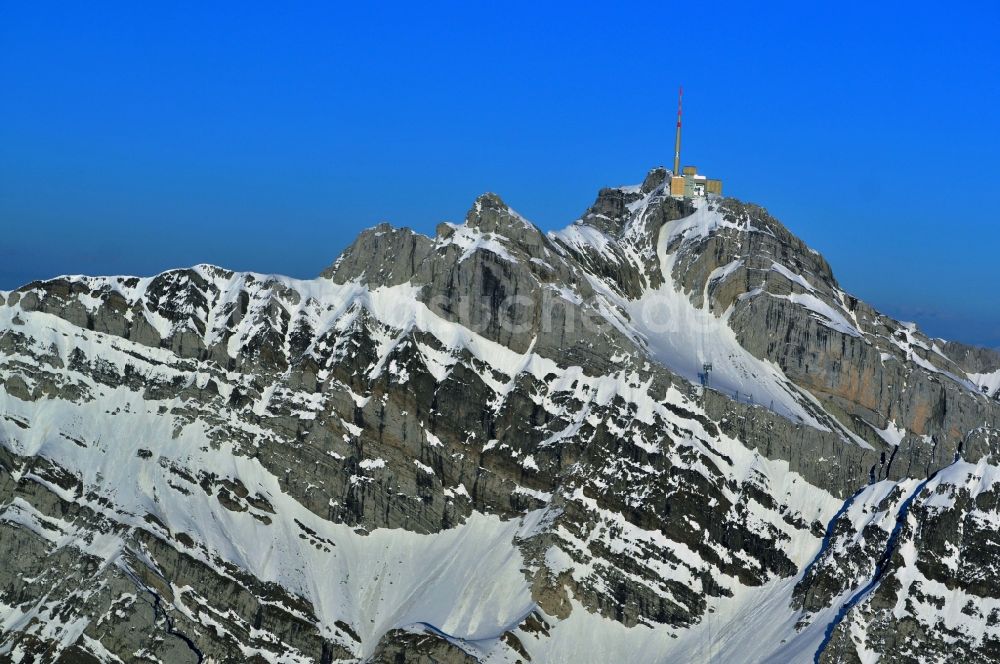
498 445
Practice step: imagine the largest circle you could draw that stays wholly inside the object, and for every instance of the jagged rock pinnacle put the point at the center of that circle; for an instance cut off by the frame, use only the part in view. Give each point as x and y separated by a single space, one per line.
654 178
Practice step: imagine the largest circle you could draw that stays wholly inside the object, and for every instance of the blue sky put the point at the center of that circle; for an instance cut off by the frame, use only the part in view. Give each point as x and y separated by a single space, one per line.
134 138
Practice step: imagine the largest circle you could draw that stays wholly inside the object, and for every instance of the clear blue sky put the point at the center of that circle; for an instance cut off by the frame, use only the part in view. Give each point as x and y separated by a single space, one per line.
135 138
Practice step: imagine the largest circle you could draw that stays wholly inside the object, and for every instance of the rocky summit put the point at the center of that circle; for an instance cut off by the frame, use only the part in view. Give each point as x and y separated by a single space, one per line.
662 434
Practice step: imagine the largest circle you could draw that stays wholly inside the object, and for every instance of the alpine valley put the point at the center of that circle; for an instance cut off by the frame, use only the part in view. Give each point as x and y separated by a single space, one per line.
662 434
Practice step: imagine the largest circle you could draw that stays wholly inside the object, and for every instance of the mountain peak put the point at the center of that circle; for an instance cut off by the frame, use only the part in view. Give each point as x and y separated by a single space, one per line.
589 445
489 214
654 178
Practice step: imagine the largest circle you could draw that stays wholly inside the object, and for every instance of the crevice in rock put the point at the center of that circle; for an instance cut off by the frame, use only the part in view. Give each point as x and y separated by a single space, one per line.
159 610
880 567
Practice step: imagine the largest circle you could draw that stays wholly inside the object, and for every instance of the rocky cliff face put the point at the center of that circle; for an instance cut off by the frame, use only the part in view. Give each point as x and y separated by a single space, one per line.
496 444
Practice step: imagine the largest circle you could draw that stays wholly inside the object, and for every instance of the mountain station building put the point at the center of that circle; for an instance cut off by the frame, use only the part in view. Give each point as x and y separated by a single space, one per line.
692 185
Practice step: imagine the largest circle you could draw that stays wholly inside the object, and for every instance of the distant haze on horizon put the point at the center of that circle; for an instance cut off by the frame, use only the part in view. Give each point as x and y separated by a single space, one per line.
140 138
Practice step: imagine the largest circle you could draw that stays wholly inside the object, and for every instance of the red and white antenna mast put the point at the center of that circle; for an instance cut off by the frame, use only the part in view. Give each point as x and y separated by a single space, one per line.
677 139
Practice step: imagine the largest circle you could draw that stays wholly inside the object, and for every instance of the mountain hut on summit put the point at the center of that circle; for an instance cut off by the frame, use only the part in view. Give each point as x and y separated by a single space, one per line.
688 183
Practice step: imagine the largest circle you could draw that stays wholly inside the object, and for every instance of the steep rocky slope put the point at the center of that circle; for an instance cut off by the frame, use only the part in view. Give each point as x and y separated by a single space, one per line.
497 444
